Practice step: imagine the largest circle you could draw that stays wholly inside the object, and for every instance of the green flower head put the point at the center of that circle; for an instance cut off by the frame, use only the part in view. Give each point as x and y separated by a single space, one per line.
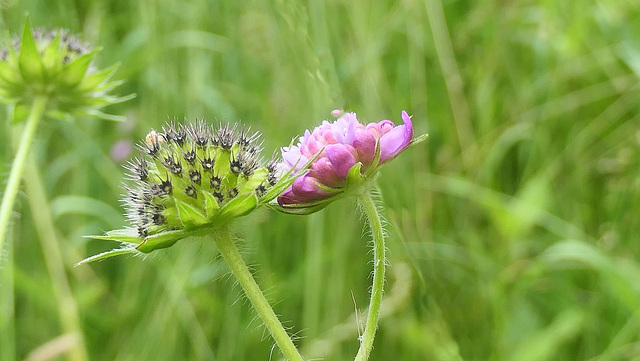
57 65
191 179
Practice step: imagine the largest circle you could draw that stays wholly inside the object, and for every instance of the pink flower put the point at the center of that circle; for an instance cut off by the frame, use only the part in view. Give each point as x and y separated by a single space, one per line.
341 145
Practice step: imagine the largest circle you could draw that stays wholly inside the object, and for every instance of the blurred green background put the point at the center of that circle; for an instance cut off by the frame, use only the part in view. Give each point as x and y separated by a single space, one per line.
513 231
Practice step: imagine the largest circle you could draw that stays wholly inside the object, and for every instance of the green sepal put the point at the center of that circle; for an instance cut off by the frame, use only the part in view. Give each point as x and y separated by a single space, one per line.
373 167
417 140
249 185
127 235
126 249
98 114
239 206
211 204
189 215
72 74
354 175
173 219
93 80
108 86
29 61
60 115
51 58
221 165
8 74
20 112
302 210
276 190
162 240
87 102
115 99
13 58
328 189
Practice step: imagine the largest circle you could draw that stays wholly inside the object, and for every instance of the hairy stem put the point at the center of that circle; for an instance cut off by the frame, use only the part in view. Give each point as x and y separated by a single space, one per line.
254 294
8 199
371 212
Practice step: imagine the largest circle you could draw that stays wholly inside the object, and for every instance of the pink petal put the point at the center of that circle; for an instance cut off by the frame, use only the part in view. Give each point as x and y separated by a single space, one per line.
305 137
311 147
329 137
291 155
397 139
365 145
306 187
341 159
350 132
385 126
337 132
374 128
288 197
324 171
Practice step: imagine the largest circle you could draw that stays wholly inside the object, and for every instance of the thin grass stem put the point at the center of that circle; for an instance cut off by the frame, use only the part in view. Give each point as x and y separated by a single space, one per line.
46 230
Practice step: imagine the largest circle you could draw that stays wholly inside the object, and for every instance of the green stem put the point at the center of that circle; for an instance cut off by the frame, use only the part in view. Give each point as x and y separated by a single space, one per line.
371 211
8 199
46 230
254 294
7 306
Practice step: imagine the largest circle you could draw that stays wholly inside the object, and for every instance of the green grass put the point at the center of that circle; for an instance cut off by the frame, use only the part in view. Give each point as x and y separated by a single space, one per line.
513 228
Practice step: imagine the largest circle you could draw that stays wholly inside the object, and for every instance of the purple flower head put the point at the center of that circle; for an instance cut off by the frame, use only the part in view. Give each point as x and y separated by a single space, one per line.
338 147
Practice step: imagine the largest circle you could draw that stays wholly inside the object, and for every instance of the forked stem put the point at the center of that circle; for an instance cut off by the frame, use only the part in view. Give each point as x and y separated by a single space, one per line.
38 108
239 269
370 210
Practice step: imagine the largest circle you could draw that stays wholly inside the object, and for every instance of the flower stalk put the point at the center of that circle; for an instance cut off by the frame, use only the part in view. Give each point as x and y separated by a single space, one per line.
48 74
193 180
251 289
38 108
370 210
347 156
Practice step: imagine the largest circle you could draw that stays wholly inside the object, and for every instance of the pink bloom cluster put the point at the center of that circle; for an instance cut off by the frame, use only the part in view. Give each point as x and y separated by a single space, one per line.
342 144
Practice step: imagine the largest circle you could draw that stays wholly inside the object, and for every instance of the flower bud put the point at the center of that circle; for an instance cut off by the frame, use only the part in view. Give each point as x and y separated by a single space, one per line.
57 65
347 155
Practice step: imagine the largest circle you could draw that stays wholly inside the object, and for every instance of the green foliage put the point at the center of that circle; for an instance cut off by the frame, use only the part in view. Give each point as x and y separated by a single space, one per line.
517 218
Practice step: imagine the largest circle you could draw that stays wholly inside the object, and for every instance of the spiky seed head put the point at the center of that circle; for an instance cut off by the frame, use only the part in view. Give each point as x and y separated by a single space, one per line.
223 177
168 193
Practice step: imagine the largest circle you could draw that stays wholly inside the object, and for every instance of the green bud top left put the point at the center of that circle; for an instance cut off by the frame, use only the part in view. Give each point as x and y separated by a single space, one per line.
57 65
